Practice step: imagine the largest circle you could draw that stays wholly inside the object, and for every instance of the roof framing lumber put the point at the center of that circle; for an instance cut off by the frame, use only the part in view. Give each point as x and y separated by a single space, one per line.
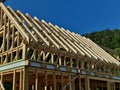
14 21
27 32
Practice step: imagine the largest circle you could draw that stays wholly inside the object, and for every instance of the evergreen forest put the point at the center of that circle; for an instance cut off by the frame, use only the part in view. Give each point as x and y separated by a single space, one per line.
108 39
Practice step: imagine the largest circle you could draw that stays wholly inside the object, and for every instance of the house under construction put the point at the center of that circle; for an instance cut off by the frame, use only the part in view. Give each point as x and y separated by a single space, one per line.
35 55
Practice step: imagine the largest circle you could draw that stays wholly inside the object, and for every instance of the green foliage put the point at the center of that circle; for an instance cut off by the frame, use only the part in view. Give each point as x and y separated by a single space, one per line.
107 38
117 50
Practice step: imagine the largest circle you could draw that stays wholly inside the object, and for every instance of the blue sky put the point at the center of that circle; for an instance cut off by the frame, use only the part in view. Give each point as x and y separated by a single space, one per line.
80 16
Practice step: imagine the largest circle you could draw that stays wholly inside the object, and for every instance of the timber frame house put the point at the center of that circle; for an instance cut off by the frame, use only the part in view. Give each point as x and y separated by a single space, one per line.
35 55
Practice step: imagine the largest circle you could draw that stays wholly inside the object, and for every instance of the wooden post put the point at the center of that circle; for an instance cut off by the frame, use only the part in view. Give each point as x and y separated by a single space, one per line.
79 83
73 85
13 37
36 80
4 39
119 86
108 85
35 58
114 86
59 60
8 35
54 76
71 63
87 83
77 64
21 79
33 87
82 64
50 87
24 54
1 80
45 80
64 61
44 56
70 86
1 17
25 79
14 80
61 81
52 58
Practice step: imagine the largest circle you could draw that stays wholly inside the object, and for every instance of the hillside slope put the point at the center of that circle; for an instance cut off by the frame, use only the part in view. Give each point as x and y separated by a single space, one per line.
107 39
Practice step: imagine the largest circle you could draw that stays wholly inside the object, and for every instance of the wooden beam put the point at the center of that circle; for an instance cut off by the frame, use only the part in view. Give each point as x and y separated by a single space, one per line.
108 85
14 21
79 83
25 79
71 62
62 81
64 61
4 39
87 83
65 40
60 62
45 88
1 17
73 85
54 78
37 31
53 34
36 80
21 80
52 58
14 80
1 82
70 85
2 78
24 53
8 35
119 86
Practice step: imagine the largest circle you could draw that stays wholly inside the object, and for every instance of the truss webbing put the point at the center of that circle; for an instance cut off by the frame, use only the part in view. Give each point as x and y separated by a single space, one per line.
41 34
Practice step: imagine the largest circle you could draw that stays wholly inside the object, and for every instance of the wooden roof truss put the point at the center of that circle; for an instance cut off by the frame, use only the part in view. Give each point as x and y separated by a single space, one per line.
24 37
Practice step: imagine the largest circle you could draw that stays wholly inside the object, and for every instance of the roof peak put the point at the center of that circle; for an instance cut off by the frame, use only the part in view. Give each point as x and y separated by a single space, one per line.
49 36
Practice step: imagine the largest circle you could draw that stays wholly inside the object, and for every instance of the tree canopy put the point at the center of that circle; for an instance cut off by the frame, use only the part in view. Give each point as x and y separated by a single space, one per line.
107 38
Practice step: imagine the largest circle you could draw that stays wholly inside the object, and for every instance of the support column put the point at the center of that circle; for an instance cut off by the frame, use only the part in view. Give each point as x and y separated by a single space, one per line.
82 64
36 80
73 85
25 79
70 86
14 80
71 62
51 88
108 86
24 55
54 76
113 85
59 60
119 86
45 88
33 87
1 80
64 61
21 80
79 83
87 83
52 58
61 81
